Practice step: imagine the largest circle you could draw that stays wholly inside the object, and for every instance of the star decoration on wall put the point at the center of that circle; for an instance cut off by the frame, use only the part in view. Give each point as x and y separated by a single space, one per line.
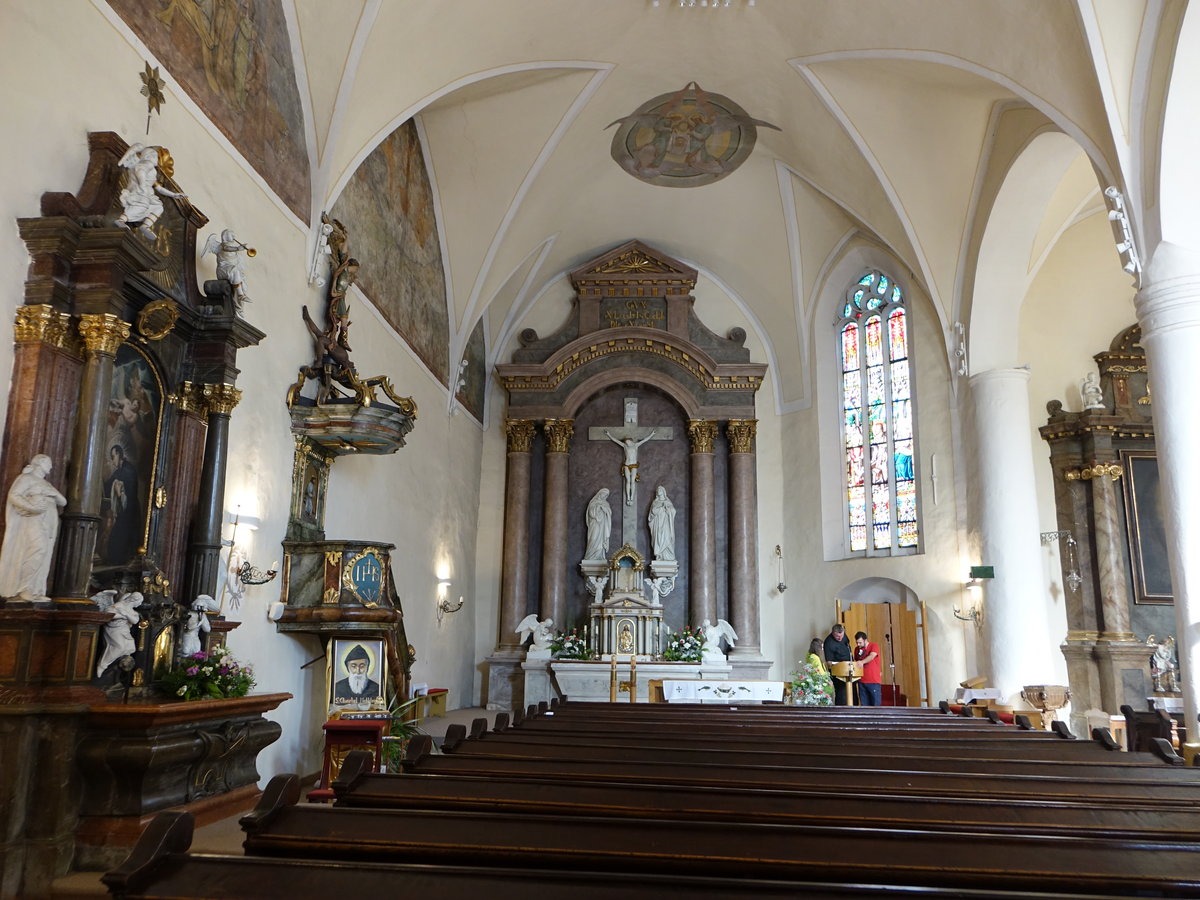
152 90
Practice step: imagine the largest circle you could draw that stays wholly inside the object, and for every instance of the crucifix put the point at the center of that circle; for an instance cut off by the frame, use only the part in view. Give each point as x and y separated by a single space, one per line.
630 437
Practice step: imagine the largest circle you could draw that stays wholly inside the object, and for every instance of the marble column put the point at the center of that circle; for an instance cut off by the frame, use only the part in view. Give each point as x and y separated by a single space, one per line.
515 572
204 549
1168 309
102 334
702 527
1110 550
554 531
1015 623
743 538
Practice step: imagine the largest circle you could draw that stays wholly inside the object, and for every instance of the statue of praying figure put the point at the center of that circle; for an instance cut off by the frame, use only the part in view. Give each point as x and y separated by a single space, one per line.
599 525
30 529
662 525
630 466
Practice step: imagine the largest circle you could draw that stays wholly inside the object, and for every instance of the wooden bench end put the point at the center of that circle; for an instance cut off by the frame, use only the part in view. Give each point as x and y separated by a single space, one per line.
1162 748
1061 729
281 791
168 832
455 735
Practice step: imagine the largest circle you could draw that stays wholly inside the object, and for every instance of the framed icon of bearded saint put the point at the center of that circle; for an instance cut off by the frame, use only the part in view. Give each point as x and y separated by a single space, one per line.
357 674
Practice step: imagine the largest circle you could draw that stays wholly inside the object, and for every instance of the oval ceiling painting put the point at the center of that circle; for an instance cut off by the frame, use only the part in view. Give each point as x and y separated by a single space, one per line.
686 139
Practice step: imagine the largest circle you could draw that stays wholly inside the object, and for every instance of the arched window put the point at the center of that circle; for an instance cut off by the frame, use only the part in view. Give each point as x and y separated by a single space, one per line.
877 418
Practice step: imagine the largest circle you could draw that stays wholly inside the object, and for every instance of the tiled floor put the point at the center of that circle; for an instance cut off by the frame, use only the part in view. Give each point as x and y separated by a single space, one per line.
225 836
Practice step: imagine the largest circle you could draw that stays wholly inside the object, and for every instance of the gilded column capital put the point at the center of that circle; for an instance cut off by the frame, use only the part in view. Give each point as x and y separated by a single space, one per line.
188 398
102 332
702 433
41 323
520 434
740 433
558 435
220 398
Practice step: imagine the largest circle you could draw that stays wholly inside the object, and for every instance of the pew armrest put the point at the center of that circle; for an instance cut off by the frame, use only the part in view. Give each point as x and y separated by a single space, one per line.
356 763
1162 748
168 832
1104 738
1023 722
455 735
1061 729
419 747
282 791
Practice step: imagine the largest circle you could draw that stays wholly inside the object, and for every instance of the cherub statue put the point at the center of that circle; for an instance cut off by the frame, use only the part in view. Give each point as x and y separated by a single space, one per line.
541 632
139 198
195 622
596 586
119 644
1091 392
712 639
228 249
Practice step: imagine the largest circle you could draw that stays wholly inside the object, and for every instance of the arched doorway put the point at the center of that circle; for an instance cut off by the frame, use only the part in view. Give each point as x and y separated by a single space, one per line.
893 617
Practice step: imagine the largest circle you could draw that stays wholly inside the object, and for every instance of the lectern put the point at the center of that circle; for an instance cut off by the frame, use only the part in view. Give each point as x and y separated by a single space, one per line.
848 671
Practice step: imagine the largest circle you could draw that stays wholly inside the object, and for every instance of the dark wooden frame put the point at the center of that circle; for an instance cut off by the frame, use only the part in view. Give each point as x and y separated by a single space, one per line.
340 646
1144 527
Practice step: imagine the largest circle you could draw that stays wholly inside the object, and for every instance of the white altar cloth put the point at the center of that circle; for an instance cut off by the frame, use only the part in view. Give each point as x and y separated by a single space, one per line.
967 695
722 691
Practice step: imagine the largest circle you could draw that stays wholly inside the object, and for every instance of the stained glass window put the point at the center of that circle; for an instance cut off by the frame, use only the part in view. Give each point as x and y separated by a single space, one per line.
877 418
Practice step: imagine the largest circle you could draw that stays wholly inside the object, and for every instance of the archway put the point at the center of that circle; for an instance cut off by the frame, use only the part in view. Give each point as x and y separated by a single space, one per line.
893 616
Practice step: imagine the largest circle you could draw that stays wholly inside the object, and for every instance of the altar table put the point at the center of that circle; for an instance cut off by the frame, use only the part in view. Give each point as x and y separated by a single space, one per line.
704 691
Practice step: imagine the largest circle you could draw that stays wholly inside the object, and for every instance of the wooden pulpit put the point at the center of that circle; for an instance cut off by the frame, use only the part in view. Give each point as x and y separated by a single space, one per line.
848 671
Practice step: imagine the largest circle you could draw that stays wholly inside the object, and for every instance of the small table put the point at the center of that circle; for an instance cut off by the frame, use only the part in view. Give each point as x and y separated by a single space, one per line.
341 736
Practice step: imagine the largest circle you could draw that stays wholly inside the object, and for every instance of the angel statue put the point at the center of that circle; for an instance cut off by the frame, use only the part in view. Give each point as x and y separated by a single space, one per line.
119 645
139 196
596 585
195 622
541 631
227 249
712 639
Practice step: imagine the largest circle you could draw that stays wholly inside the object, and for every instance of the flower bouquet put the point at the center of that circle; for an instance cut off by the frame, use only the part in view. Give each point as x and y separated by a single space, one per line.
211 675
684 646
569 645
811 686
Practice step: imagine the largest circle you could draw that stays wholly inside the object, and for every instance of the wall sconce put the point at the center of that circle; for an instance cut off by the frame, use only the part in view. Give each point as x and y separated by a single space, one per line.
444 605
974 586
244 572
1072 579
782 585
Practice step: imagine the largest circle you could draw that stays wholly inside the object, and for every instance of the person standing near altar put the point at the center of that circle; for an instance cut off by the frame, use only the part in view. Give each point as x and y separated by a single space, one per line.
837 649
870 687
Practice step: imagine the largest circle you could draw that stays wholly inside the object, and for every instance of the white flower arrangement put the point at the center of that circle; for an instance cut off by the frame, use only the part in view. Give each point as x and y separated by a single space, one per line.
811 686
684 646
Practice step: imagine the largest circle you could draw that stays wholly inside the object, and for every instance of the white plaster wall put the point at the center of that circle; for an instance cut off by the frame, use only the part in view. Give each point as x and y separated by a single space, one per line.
425 499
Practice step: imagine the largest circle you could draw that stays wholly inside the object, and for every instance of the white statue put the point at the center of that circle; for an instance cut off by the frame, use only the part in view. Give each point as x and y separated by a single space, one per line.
596 586
30 528
228 249
232 587
541 631
118 639
195 622
1090 390
630 466
139 198
1162 664
662 525
658 587
712 639
599 525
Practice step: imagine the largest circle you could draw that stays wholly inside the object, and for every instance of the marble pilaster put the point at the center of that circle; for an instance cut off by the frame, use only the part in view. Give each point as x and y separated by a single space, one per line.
1110 550
515 572
743 539
702 539
204 549
554 532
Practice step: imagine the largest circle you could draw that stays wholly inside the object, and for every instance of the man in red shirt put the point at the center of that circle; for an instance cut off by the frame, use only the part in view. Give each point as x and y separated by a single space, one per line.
870 691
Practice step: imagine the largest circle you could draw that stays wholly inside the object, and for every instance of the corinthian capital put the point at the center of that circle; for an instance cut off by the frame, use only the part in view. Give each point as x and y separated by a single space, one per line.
558 435
102 332
220 398
520 434
702 433
740 433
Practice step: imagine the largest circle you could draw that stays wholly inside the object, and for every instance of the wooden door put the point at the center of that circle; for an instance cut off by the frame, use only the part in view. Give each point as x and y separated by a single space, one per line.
893 626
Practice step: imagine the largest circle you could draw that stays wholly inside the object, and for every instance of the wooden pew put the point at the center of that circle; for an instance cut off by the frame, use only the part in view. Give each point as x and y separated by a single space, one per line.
159 868
720 848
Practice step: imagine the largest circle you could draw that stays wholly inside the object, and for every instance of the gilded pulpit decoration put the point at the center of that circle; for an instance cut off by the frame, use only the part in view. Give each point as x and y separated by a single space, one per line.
102 333
740 433
702 433
520 435
558 435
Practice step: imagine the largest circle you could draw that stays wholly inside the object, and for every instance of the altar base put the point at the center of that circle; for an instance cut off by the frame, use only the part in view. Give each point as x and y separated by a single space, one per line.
589 681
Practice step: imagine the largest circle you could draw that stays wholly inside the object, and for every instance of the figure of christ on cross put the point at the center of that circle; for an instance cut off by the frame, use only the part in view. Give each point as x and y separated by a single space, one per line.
630 437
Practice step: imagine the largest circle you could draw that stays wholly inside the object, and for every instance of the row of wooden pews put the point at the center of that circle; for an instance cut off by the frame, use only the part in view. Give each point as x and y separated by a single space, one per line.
652 800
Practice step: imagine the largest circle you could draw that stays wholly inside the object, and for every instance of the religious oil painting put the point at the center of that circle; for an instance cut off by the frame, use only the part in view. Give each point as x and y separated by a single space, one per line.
1145 527
685 139
388 203
130 449
234 60
357 674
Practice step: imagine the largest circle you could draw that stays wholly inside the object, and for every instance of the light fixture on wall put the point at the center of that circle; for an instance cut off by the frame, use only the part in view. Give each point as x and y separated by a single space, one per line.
960 348
1072 578
782 585
239 566
1131 262
974 587
444 604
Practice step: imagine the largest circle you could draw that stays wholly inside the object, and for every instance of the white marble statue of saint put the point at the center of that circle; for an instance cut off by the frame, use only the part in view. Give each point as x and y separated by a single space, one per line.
712 639
195 622
599 526
630 466
1091 392
139 197
118 637
662 525
30 529
228 251
542 633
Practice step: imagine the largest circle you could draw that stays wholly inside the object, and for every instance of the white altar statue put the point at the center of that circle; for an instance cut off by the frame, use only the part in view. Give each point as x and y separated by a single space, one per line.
118 639
1091 392
662 525
599 526
30 529
712 639
542 633
596 586
630 466
228 251
139 197
195 622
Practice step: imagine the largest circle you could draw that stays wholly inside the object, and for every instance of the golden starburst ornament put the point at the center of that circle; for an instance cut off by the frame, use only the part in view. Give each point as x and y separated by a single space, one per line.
152 90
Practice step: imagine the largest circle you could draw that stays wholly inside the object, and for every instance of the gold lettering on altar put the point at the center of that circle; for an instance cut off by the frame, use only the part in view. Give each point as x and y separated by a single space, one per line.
635 313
